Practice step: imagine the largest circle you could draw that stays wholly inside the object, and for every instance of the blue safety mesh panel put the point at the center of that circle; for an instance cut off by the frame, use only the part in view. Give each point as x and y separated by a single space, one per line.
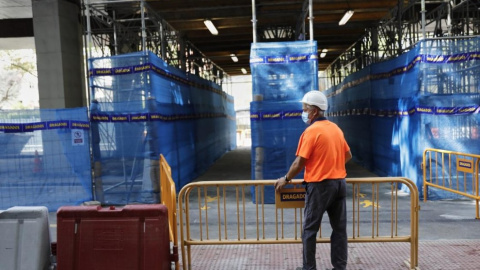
425 98
282 72
45 158
141 108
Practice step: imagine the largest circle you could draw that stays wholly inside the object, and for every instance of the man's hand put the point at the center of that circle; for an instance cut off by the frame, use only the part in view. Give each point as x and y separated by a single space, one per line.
281 182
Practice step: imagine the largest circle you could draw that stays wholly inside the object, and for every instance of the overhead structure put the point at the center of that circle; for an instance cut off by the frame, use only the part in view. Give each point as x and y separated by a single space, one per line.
405 25
236 20
377 29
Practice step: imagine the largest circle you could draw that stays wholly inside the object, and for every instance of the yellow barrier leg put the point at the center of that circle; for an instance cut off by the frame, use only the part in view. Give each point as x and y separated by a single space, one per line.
478 216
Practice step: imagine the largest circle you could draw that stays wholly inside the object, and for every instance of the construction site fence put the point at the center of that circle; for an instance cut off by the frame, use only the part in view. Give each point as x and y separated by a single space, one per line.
140 108
453 173
221 213
45 158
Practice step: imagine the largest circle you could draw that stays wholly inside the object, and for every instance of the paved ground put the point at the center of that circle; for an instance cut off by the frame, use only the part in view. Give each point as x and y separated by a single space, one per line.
434 255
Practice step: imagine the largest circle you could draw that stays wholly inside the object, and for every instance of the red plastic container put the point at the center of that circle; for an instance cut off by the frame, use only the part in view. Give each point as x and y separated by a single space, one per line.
134 237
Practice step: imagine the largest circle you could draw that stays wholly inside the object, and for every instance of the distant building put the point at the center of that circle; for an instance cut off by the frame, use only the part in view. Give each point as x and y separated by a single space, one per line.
244 137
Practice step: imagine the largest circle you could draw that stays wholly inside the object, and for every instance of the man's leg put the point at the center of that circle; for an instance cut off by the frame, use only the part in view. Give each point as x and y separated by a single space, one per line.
337 213
317 198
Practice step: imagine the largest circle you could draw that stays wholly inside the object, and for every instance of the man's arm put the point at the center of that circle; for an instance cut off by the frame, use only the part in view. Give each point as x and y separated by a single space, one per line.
348 156
296 167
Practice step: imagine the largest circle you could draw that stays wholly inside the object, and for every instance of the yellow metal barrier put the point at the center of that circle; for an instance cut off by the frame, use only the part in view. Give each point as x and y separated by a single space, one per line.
223 206
451 171
168 197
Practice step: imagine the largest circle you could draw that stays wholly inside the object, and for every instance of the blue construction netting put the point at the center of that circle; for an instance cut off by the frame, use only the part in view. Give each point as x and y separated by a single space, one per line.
45 158
428 97
282 72
141 108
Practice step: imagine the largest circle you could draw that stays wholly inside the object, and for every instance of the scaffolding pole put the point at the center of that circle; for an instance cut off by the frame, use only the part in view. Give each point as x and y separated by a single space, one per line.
423 11
310 18
89 28
254 22
142 12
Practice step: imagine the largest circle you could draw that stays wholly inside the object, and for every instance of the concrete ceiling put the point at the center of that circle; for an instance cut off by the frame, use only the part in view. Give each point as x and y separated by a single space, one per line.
10 12
233 19
15 9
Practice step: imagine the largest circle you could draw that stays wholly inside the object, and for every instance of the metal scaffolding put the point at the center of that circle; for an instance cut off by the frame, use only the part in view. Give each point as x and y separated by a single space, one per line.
402 28
117 27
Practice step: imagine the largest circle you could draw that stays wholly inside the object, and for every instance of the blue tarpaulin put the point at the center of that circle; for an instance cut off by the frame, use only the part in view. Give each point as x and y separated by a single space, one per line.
45 158
428 97
282 72
141 108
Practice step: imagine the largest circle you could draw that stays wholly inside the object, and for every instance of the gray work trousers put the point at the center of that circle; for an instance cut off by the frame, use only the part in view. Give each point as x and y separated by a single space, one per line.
327 195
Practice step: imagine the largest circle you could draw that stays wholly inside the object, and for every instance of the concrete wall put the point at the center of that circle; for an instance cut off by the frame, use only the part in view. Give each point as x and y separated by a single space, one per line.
58 42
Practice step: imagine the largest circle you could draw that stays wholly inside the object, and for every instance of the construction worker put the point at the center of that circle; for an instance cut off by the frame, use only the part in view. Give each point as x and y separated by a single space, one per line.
322 151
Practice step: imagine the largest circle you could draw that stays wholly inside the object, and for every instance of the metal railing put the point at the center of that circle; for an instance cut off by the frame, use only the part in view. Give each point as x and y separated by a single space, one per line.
168 198
451 171
220 214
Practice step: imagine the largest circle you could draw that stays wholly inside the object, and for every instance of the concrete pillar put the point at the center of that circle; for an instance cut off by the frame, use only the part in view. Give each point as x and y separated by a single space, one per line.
58 41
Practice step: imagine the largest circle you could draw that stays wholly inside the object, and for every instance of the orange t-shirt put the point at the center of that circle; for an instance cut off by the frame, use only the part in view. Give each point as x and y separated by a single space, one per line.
323 146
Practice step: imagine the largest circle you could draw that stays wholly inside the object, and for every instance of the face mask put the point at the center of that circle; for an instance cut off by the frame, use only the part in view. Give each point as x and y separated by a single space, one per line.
305 117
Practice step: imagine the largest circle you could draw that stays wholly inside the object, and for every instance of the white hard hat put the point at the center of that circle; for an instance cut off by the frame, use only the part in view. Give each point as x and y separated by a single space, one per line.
316 98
